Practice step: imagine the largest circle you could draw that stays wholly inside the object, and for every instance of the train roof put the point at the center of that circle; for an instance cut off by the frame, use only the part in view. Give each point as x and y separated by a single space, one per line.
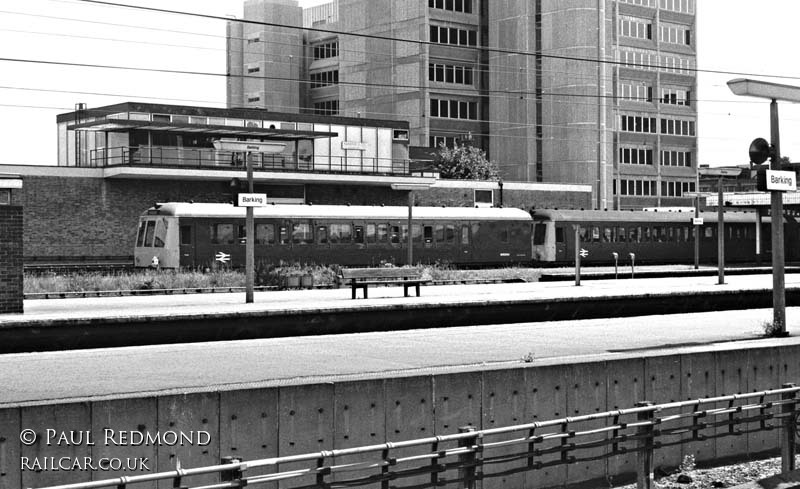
301 211
613 216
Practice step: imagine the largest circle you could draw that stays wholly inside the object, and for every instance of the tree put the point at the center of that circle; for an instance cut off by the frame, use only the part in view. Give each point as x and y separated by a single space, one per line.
465 162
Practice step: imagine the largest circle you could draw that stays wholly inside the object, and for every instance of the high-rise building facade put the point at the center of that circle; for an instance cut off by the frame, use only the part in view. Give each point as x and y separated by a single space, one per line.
599 92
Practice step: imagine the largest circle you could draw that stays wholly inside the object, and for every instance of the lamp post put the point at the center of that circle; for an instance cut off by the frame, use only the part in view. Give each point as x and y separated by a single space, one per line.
773 92
249 147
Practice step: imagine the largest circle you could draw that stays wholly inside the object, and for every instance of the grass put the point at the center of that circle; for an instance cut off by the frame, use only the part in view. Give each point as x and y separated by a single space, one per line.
52 283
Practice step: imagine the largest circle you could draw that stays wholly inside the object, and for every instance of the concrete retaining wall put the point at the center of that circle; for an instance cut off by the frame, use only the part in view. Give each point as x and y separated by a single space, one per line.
292 419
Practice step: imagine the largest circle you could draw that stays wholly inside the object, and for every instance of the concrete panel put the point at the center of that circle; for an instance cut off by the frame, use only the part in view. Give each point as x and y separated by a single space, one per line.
586 394
546 399
188 415
359 420
305 425
625 387
68 441
789 358
118 427
458 402
409 415
248 426
504 397
10 474
731 378
763 374
662 385
698 381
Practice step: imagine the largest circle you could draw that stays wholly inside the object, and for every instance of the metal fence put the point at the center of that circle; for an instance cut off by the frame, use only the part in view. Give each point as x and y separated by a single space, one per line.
463 459
174 157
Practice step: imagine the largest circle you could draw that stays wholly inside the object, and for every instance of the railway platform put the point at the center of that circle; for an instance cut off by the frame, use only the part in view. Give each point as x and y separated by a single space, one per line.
119 321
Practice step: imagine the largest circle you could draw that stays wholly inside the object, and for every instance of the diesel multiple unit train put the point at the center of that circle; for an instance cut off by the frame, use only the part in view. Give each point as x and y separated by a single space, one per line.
177 235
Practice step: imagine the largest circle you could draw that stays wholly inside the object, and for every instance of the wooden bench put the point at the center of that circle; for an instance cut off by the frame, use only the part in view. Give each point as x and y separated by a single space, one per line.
364 277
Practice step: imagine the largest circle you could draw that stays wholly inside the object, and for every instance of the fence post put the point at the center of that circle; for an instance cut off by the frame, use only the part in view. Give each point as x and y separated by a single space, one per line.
788 449
467 461
644 445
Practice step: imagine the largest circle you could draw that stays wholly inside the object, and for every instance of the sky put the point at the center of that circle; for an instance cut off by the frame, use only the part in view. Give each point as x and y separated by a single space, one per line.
41 38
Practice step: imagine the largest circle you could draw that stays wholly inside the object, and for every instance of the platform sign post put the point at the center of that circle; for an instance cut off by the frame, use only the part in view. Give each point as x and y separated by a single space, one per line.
577 255
720 173
773 92
249 147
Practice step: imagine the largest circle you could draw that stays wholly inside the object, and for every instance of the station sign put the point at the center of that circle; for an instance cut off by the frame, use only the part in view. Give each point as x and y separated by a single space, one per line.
252 200
697 221
781 180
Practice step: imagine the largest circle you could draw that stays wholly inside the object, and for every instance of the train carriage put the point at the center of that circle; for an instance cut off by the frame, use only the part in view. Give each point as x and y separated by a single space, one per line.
203 234
652 236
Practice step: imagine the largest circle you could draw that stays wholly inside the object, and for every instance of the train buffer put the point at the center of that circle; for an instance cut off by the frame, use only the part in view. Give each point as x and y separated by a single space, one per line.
364 277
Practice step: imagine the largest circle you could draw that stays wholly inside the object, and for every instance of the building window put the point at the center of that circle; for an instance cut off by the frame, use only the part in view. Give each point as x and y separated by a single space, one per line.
325 50
637 187
460 75
676 158
676 64
254 97
675 96
643 3
324 78
677 127
636 123
682 6
5 196
328 107
253 38
484 198
635 155
676 189
464 6
453 36
453 109
254 68
635 91
635 27
447 141
640 59
675 34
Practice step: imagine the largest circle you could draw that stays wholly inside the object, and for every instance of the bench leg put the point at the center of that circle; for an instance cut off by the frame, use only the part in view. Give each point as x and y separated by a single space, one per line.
405 290
417 290
365 292
353 288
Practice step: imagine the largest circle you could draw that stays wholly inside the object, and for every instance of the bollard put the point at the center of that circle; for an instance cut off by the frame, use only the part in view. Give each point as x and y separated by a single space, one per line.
644 454
616 262
467 461
633 259
788 447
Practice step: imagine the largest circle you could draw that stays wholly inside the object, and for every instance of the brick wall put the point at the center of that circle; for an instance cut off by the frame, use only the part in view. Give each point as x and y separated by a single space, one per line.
10 259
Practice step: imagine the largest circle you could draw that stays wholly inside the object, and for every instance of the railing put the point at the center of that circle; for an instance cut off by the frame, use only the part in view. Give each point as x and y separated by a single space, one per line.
472 455
174 157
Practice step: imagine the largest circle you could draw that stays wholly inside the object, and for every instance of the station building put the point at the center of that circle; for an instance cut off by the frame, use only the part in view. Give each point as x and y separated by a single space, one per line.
589 92
116 161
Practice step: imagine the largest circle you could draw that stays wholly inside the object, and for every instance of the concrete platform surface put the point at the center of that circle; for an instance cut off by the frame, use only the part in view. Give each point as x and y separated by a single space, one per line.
207 306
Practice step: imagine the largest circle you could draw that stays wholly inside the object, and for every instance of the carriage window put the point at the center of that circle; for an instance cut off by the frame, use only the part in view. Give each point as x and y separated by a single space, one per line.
559 235
383 233
633 237
371 235
464 234
538 233
340 233
265 234
647 234
284 235
322 234
427 234
394 234
709 232
186 235
416 233
359 234
404 233
583 233
607 237
450 233
595 234
438 231
302 233
142 232
241 234
659 234
221 233
620 235
148 237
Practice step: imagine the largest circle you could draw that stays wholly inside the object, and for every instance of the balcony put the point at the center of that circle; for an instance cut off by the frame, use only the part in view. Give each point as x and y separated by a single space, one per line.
210 159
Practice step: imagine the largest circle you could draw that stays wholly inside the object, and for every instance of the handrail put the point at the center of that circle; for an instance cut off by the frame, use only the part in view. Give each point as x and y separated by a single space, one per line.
631 430
179 157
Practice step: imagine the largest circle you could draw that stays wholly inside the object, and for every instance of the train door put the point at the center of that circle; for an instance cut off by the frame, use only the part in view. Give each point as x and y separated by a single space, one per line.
186 243
561 242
